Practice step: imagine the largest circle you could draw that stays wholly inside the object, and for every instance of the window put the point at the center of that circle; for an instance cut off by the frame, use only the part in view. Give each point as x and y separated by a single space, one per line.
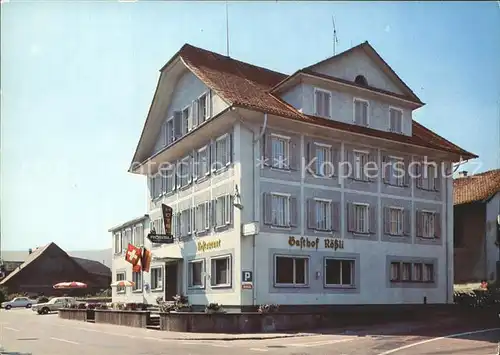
184 172
361 221
118 243
428 224
428 176
322 102
155 185
127 237
339 273
406 274
395 221
395 271
323 215
138 235
428 273
221 271
280 152
361 80
222 152
169 130
361 112
223 211
360 163
291 271
168 180
280 210
203 217
394 170
120 276
137 280
195 274
203 108
157 278
159 228
417 272
186 127
185 225
323 154
202 162
395 120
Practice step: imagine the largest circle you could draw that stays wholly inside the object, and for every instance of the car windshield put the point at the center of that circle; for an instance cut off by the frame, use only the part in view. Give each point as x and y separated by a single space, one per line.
54 300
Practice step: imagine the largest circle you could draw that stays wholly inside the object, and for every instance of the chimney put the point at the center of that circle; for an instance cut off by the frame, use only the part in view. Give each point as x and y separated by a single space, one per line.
30 250
463 173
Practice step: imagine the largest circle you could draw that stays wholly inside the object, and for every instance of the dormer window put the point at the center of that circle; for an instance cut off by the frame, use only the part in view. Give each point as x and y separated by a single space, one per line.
322 100
361 80
361 112
395 120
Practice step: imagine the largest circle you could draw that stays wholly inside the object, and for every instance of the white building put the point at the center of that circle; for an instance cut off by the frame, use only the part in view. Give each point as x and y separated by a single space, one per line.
366 240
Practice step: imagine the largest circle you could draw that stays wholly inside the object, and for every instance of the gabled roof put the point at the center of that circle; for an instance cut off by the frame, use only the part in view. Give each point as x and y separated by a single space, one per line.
248 86
93 267
478 187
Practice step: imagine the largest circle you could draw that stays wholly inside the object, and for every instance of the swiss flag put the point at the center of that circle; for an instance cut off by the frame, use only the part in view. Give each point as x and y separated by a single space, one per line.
133 254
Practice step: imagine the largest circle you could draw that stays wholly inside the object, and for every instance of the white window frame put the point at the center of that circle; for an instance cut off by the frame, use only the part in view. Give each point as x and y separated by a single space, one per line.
354 100
294 283
186 120
202 221
328 216
206 114
286 212
185 222
198 163
128 237
428 180
366 222
277 163
169 180
328 159
135 237
426 277
399 223
137 287
395 274
190 274
219 165
118 241
185 180
169 120
316 111
406 271
393 179
213 271
121 290
162 277
418 268
341 285
391 129
428 233
223 211
362 173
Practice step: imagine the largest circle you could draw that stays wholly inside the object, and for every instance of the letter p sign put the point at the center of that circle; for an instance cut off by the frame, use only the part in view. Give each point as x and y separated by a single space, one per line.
246 276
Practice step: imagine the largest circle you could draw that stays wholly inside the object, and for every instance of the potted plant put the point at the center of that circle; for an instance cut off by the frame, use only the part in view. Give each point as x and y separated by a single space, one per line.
181 303
268 308
214 308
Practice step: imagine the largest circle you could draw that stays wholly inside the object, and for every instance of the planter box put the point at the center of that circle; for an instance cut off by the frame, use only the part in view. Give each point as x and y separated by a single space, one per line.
138 319
75 314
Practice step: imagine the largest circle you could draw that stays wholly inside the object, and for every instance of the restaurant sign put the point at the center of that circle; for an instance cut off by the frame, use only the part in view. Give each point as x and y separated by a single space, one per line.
204 246
329 243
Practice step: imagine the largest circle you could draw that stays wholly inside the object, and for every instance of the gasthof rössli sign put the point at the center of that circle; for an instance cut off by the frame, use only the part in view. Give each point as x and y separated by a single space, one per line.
328 243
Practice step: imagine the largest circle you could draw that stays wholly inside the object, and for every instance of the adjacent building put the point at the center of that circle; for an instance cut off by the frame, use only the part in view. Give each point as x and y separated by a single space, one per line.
477 229
306 189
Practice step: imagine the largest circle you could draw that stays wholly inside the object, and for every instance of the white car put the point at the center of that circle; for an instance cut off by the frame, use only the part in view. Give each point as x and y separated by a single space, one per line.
53 305
19 302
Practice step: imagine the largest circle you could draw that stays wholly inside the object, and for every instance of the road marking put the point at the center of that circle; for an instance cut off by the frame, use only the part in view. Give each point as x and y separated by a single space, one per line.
258 349
439 338
218 345
320 343
66 341
13 329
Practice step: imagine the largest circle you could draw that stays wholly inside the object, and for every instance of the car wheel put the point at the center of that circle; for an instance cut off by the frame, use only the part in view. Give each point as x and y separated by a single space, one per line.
28 305
39 312
8 307
45 310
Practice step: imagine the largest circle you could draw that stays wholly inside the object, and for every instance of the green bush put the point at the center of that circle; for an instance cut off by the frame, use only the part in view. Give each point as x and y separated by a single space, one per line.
3 294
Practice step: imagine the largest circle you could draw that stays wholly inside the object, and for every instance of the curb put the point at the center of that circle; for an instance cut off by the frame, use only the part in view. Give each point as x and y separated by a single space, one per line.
300 335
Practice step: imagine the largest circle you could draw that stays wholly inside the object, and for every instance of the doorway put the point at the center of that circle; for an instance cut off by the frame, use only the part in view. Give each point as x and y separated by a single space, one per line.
170 281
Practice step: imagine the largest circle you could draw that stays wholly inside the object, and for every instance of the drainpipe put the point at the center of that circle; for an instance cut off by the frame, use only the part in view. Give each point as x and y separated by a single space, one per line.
447 192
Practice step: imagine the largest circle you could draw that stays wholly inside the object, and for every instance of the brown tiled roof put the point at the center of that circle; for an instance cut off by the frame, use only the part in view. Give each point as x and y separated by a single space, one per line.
476 187
245 85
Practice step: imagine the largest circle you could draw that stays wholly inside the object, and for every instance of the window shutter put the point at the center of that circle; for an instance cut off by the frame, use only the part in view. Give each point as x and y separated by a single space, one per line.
197 216
437 179
228 205
387 220
351 221
310 156
190 168
268 150
391 120
406 176
372 211
419 174
334 157
349 157
406 222
267 210
317 97
196 165
418 223
294 215
192 220
294 155
213 156
230 150
335 206
437 225
177 124
364 105
327 100
213 208
386 169
195 117
209 103
311 214
371 171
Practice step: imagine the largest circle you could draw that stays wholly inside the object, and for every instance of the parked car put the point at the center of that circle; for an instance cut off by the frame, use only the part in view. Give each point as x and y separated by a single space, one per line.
19 302
53 305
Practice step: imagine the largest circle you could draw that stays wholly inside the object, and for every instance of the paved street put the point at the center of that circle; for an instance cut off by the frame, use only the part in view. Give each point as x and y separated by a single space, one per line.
24 332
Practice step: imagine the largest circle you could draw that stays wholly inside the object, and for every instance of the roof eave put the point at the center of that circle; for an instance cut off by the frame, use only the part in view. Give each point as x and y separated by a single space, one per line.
128 223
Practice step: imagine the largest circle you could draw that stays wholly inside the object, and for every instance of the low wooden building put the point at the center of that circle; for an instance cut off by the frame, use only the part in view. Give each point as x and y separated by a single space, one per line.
49 265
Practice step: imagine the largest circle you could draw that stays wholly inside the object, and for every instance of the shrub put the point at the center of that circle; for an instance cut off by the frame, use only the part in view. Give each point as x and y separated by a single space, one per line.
82 306
3 294
214 308
91 306
268 308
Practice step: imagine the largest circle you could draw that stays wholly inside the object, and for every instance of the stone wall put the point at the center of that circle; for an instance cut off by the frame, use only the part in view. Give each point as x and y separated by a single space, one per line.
138 319
76 314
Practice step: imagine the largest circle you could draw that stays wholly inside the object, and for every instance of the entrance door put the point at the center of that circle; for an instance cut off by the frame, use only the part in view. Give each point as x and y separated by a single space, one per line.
171 281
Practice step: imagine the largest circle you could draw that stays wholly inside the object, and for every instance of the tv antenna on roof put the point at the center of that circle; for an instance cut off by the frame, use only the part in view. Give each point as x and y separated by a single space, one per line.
335 38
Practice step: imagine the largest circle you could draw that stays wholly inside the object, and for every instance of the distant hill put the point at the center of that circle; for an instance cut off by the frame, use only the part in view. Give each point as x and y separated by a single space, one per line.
101 255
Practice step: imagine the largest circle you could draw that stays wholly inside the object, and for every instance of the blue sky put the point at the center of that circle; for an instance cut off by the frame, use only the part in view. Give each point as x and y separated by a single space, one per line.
78 78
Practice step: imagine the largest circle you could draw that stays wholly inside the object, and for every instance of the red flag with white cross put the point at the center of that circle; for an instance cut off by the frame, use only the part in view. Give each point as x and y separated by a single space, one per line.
133 254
